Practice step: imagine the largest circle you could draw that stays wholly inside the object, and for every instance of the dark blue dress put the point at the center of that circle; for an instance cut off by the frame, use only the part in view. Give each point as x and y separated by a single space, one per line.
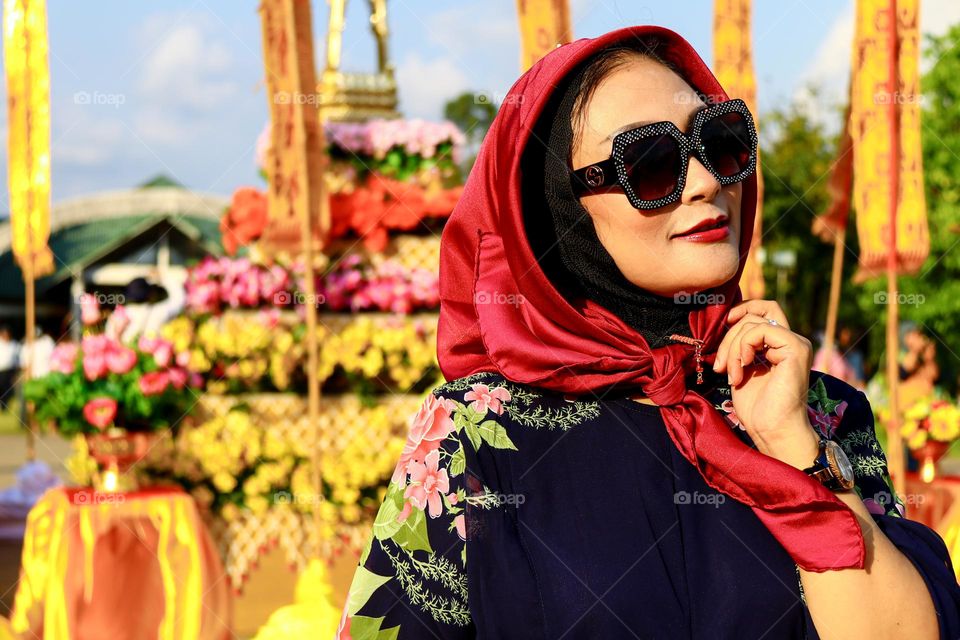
516 512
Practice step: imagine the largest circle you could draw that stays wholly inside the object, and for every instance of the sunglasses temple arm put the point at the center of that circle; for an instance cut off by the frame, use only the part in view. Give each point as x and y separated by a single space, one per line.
594 176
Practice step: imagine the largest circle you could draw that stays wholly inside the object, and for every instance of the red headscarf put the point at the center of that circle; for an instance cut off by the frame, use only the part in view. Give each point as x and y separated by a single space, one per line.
537 337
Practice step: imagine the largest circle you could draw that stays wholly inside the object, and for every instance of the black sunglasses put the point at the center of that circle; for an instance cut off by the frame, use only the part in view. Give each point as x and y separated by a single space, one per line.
650 162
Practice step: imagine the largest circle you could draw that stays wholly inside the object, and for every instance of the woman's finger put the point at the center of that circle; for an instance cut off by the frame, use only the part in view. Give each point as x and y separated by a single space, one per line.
768 309
734 362
721 358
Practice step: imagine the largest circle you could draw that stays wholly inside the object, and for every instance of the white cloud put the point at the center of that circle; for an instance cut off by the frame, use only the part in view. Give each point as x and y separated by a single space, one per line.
182 77
829 70
426 85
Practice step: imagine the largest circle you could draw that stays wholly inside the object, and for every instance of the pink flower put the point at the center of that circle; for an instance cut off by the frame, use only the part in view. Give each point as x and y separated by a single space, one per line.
154 383
100 412
64 357
461 525
178 377
147 344
119 321
94 365
427 483
89 309
431 425
163 353
483 398
826 423
873 506
121 359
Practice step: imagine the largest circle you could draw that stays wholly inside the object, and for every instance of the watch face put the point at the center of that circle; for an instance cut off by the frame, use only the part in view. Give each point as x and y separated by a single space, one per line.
836 453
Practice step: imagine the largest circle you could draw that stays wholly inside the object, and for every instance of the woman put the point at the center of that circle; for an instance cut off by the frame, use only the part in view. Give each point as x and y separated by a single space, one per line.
589 471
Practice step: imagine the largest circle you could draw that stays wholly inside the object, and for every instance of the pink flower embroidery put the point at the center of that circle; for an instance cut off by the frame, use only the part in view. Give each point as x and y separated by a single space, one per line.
427 482
431 425
461 526
826 423
483 398
731 415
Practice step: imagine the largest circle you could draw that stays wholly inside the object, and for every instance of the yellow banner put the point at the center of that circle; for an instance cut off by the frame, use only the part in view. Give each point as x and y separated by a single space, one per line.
294 161
872 104
733 67
543 25
28 137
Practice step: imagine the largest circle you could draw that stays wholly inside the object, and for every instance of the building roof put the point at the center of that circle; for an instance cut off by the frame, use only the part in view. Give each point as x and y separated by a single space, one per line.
85 230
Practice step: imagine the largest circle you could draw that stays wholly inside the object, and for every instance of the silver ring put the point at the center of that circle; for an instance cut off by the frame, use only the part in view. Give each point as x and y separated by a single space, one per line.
773 322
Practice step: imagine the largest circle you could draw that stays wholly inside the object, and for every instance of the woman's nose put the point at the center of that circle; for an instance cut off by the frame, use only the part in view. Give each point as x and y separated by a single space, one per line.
700 185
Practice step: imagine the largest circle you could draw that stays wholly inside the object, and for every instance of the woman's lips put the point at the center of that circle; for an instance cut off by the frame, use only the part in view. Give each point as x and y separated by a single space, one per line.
720 232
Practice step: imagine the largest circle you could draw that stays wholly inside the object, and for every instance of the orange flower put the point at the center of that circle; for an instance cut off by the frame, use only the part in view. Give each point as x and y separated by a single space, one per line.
245 220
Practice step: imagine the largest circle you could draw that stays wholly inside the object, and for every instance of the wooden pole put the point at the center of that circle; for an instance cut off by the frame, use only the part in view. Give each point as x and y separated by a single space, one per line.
836 280
894 442
30 347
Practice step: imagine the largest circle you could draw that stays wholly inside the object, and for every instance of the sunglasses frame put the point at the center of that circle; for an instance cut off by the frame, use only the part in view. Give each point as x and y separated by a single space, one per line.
613 171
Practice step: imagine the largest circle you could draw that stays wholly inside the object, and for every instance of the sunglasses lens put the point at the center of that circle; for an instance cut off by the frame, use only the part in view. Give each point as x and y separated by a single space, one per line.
652 165
726 139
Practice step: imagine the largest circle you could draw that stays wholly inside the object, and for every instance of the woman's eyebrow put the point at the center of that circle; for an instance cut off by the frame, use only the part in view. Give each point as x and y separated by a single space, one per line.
635 125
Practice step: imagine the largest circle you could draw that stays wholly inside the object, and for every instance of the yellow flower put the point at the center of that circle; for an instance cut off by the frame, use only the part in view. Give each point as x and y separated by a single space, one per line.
230 512
224 482
917 440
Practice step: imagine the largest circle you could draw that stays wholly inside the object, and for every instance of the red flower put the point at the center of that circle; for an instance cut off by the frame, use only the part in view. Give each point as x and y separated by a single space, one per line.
245 220
154 383
100 412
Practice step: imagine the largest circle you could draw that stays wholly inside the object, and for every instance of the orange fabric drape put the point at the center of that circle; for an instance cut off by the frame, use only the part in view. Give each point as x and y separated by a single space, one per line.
543 25
733 66
871 133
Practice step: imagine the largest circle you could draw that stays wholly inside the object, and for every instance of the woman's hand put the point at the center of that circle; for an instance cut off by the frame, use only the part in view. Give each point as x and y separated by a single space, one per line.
769 371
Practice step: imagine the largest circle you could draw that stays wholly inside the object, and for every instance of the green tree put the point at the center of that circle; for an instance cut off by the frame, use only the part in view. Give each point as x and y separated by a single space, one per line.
473 112
797 157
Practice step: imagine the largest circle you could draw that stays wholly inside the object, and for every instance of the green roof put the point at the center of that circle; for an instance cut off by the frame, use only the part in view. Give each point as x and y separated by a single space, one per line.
83 244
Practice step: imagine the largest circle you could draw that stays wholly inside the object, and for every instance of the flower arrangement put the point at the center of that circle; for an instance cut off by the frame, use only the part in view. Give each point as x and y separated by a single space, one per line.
101 383
354 283
232 462
216 284
936 420
240 352
384 176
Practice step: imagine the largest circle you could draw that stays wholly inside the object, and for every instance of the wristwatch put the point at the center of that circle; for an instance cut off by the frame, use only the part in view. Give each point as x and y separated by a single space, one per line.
832 467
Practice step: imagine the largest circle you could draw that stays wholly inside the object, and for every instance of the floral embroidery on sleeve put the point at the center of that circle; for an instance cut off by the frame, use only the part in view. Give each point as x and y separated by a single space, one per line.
851 425
412 573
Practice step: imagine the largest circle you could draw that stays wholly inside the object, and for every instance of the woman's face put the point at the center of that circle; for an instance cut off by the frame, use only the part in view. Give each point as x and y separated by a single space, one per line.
644 243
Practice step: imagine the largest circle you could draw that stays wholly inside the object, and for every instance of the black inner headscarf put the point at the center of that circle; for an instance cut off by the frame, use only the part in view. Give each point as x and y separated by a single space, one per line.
564 239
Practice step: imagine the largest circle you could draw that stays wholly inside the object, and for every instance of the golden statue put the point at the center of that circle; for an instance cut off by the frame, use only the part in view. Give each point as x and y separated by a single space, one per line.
357 96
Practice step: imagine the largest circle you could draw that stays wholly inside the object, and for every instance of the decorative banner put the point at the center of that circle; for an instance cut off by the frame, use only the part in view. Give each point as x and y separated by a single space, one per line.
294 171
544 24
733 67
834 220
28 138
874 116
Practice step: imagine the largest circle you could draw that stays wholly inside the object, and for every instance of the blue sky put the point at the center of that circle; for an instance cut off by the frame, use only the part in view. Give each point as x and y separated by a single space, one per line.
139 89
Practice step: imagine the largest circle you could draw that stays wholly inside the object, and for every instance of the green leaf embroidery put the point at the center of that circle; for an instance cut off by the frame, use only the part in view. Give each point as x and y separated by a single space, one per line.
473 433
458 462
495 435
818 395
365 582
386 524
412 534
366 628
